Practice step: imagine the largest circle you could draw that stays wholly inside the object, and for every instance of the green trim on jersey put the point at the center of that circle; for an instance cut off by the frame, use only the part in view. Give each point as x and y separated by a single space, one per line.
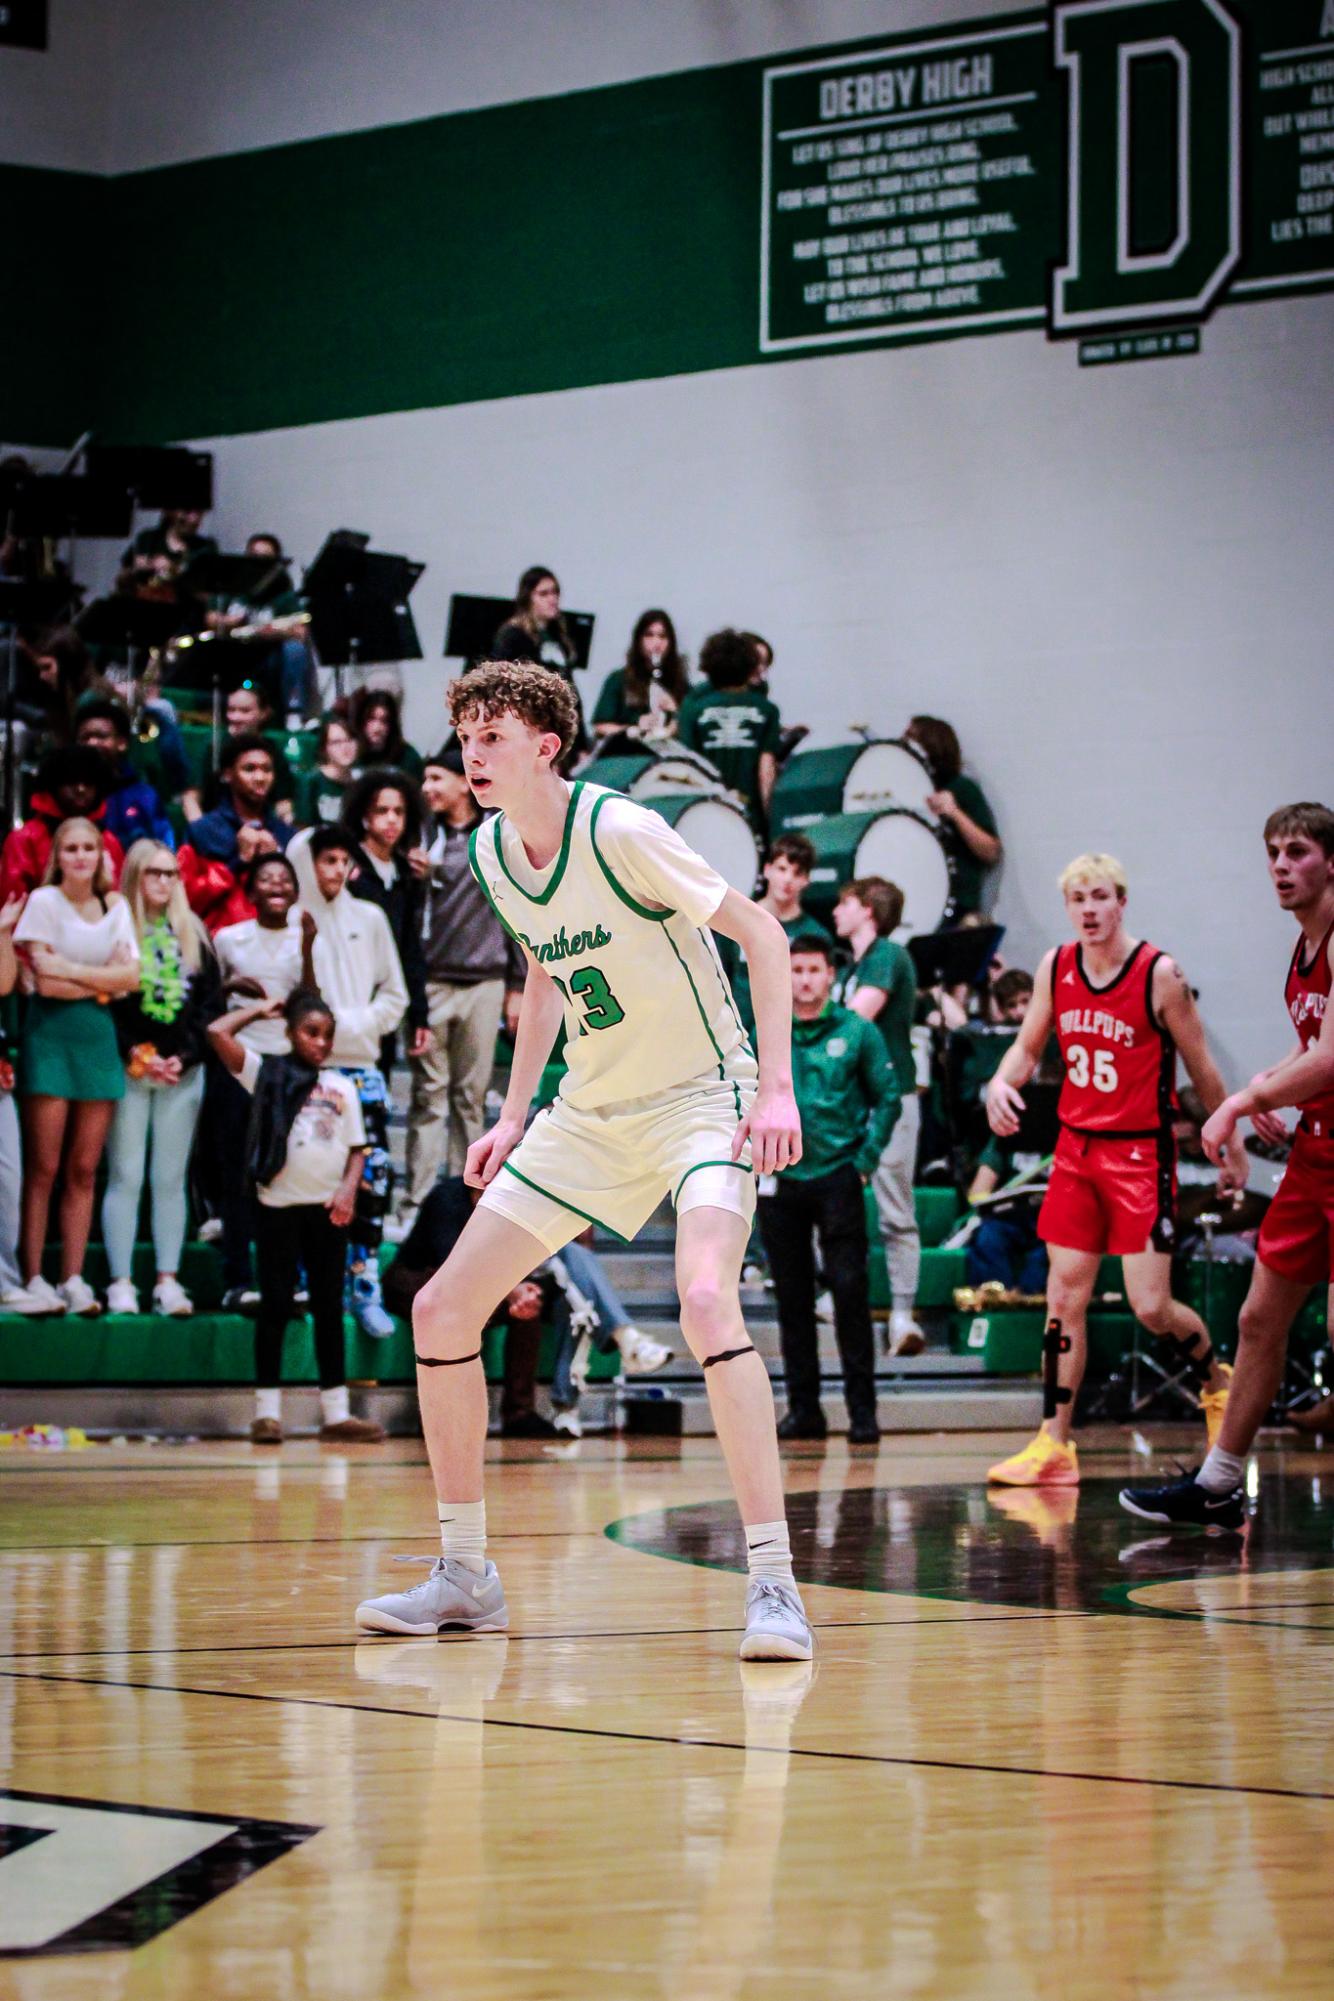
726 985
708 1025
640 909
743 1166
485 886
545 895
562 1204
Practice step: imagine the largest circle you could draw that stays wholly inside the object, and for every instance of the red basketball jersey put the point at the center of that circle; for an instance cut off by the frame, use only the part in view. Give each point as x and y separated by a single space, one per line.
1120 1062
1307 997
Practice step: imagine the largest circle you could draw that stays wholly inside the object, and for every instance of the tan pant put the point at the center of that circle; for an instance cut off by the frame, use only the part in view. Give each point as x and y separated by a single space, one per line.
449 1083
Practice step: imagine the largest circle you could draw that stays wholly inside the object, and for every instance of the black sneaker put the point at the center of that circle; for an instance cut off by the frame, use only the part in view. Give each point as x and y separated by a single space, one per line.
530 1425
863 1431
1184 1503
794 1425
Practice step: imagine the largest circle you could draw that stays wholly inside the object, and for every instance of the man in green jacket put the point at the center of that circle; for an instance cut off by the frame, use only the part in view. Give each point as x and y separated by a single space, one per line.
848 1097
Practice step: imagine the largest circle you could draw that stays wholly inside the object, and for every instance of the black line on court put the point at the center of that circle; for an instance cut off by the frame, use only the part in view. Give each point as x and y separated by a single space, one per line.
691 1743
519 1639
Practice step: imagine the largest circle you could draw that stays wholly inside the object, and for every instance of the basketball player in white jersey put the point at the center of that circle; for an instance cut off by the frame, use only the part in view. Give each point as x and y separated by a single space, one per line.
663 1097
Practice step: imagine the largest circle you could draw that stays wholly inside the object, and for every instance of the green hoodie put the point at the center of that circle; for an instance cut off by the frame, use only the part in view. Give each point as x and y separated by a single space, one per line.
846 1093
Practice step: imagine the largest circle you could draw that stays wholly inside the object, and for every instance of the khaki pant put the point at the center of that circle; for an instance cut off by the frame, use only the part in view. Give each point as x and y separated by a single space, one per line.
449 1083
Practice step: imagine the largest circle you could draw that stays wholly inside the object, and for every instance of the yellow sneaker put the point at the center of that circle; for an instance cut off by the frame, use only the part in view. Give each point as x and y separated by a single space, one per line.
1044 1462
1214 1402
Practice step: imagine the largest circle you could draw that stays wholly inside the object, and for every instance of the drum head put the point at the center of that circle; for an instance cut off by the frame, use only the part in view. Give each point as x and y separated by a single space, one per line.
888 774
674 770
717 830
906 849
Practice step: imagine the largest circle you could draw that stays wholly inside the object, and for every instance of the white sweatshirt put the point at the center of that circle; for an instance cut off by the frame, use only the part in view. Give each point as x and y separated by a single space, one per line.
356 963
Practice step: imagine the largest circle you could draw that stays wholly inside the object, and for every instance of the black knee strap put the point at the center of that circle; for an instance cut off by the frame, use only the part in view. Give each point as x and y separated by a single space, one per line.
728 1355
1055 1343
1196 1365
445 1361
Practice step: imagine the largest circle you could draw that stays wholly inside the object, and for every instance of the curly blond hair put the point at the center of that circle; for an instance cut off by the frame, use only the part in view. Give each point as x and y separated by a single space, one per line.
543 700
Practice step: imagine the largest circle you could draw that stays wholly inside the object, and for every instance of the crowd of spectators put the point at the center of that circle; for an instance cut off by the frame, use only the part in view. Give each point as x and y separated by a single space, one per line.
265 933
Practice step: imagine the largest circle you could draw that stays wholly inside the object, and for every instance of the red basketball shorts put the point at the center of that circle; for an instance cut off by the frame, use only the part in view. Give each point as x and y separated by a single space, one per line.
1108 1195
1297 1234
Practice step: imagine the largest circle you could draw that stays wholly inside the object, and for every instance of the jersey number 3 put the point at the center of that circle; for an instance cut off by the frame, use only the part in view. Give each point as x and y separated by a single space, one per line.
1104 1077
589 988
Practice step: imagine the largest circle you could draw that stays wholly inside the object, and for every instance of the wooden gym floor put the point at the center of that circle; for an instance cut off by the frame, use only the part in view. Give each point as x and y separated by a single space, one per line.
1043 1752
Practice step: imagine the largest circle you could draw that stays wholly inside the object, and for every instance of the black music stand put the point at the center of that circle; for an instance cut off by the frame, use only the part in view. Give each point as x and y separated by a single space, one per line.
161 476
65 506
134 627
23 603
474 622
223 580
358 598
955 958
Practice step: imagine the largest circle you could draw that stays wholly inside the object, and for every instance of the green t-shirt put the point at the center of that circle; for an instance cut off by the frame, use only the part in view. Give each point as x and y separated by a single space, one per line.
885 964
969 873
738 971
319 801
733 728
615 705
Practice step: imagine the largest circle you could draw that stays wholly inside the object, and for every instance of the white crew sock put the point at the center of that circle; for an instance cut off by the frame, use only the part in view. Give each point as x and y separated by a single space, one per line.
334 1406
768 1552
1221 1471
463 1532
269 1403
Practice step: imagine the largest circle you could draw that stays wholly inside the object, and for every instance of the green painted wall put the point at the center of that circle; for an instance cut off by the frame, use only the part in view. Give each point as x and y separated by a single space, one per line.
57 304
539 246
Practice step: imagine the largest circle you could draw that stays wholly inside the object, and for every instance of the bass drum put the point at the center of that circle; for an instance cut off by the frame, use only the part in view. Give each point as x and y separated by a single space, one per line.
716 829
850 778
655 773
902 847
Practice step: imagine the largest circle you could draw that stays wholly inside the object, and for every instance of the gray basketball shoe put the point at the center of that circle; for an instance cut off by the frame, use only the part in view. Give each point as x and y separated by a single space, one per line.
776 1624
452 1596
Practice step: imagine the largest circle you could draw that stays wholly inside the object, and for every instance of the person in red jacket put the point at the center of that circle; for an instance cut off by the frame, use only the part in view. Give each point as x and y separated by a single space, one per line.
223 843
72 784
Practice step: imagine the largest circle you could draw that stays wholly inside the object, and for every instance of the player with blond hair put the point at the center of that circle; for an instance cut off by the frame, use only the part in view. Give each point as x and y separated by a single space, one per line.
1296 1244
663 1097
1122 1013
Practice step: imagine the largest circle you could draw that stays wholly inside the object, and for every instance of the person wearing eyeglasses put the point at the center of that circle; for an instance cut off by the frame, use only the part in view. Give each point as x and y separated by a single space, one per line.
160 1027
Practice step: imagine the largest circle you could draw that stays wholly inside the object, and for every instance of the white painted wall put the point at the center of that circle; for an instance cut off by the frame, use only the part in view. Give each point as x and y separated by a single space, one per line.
1111 580
128 84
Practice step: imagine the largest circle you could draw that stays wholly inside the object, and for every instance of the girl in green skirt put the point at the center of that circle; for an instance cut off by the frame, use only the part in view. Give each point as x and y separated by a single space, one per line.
80 951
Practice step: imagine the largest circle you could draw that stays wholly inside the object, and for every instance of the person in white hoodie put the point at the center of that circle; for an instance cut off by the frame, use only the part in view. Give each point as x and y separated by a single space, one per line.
357 965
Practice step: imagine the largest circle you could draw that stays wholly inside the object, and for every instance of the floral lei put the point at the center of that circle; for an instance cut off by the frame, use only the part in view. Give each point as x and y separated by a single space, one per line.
162 984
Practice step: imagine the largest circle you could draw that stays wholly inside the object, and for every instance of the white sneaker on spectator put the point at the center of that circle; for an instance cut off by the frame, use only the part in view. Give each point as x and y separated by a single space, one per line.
170 1297
567 1422
824 1307
398 1227
905 1336
37 1298
639 1355
122 1297
79 1297
210 1230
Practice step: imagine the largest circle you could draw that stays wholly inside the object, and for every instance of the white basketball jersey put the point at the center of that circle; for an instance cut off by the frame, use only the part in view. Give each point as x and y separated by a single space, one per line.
617 921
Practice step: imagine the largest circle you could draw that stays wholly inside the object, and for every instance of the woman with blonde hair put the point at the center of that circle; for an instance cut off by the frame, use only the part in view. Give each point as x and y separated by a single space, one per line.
79 951
160 1027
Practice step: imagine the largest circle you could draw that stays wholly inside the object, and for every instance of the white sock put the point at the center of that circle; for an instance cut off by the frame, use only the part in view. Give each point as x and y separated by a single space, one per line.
334 1406
768 1552
463 1532
269 1403
1221 1471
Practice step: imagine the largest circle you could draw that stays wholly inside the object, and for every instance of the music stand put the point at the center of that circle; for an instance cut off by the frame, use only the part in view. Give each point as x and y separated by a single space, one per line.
358 599
473 623
223 580
955 958
161 476
22 603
